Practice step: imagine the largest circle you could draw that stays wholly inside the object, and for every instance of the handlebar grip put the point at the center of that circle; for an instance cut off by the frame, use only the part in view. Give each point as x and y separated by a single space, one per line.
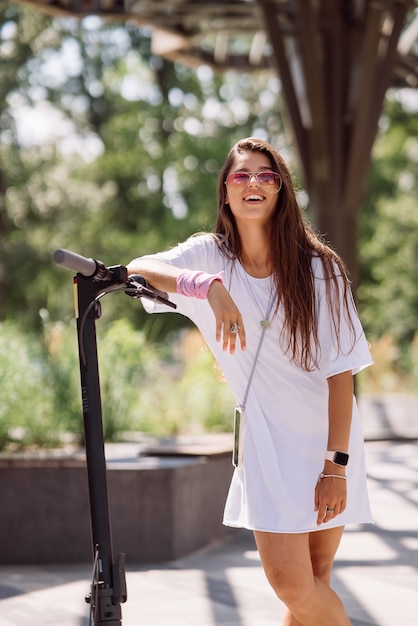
76 262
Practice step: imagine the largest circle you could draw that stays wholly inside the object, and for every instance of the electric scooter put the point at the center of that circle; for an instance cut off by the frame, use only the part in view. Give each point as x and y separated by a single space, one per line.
92 281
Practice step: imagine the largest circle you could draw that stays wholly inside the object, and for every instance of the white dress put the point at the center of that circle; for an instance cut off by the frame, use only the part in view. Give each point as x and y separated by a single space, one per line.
286 426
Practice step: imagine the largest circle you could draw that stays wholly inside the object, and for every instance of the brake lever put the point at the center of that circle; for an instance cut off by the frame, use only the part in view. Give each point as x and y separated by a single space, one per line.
138 287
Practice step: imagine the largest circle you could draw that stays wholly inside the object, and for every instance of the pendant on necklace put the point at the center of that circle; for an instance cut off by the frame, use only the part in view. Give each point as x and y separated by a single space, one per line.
265 324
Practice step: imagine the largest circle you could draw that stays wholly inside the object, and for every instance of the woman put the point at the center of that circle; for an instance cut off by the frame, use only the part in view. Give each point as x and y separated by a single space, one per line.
274 305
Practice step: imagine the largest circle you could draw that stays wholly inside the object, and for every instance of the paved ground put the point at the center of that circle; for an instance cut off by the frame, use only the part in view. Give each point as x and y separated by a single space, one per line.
376 572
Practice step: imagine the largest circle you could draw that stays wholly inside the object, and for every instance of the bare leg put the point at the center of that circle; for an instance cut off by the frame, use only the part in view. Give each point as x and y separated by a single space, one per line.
298 567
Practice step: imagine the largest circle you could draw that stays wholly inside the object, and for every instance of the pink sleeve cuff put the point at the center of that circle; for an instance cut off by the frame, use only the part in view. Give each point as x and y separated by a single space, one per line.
195 284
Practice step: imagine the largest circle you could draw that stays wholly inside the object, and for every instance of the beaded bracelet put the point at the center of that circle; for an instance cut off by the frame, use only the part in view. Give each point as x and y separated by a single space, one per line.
322 475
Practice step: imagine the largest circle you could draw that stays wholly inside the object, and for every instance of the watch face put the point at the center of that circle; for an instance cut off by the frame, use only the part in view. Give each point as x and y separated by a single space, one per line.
341 458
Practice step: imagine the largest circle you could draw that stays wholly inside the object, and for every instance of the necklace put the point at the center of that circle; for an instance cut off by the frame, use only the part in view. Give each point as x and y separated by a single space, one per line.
264 322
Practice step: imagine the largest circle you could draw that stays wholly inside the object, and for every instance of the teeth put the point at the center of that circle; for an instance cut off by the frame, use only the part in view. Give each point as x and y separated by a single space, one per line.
254 197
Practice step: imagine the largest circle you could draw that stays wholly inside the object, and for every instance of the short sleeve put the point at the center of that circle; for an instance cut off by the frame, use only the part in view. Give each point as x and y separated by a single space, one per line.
343 344
196 253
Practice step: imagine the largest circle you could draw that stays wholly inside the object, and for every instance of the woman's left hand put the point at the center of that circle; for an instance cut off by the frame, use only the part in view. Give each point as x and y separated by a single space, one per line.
330 498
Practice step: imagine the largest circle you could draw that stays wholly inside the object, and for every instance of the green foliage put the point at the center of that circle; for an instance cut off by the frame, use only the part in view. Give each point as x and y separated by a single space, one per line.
395 370
165 389
389 230
26 395
130 159
390 298
195 398
127 366
158 389
128 165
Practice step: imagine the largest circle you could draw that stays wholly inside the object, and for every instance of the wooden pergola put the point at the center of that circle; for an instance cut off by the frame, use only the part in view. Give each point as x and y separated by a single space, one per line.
335 59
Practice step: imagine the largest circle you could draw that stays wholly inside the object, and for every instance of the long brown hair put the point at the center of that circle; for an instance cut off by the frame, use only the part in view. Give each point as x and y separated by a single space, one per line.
292 246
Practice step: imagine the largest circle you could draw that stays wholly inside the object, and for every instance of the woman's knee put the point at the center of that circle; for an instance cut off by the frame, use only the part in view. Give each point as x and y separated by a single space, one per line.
286 563
322 567
292 587
323 546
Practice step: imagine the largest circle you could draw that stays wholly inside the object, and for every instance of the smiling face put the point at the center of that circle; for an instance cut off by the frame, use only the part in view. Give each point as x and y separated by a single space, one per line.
255 201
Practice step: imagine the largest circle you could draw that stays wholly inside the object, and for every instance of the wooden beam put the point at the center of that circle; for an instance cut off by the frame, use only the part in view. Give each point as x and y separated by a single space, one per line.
335 46
384 67
310 45
359 98
270 18
368 116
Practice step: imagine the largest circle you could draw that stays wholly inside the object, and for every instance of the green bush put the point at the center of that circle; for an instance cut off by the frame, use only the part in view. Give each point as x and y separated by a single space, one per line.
183 394
158 389
25 408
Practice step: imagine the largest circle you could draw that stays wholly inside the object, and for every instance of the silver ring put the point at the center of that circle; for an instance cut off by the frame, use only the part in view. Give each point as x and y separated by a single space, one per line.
235 328
330 510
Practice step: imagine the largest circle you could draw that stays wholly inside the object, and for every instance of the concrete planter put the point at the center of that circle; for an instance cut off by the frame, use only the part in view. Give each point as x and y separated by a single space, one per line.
163 505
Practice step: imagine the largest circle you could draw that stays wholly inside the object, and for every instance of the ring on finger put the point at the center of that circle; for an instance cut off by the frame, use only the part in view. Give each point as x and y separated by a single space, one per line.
330 509
235 328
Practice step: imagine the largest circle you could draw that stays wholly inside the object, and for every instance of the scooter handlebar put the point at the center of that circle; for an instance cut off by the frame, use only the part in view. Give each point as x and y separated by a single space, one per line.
76 262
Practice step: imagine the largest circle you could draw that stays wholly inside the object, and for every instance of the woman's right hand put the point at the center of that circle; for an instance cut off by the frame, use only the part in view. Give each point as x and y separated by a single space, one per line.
226 315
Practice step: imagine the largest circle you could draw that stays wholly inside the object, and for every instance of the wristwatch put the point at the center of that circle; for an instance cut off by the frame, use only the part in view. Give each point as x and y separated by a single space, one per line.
337 457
